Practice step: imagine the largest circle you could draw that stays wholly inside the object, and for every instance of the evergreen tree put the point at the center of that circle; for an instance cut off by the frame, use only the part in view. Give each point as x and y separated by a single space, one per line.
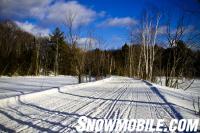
60 52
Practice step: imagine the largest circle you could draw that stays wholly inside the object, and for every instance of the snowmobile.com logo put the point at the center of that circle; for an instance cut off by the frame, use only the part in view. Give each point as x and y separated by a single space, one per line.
138 125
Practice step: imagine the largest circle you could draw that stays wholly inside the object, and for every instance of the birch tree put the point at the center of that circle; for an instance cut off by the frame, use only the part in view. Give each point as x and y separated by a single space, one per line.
148 33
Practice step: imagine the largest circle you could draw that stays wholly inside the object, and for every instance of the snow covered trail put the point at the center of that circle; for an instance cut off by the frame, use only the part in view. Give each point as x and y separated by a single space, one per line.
58 110
19 85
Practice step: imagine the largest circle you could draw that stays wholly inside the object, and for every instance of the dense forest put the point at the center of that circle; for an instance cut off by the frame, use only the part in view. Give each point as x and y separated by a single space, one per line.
24 54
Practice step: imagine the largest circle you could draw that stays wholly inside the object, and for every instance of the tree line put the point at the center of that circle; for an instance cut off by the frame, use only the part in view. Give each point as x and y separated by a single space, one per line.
24 54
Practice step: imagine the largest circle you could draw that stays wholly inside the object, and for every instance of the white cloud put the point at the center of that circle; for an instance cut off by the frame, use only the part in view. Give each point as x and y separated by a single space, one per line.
23 8
112 22
102 14
162 30
48 11
61 11
33 29
87 42
186 29
189 29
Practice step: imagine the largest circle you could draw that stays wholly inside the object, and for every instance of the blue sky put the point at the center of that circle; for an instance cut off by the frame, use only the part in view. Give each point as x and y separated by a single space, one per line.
109 20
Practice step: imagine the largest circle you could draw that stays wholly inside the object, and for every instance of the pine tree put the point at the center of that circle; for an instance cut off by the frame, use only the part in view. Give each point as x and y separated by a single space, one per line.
60 50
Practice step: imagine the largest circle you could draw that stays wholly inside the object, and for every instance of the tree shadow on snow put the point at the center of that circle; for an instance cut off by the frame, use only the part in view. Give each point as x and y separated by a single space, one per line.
31 120
114 100
157 92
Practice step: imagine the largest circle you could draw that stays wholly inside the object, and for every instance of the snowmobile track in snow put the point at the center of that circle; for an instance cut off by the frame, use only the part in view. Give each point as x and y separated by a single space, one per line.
58 110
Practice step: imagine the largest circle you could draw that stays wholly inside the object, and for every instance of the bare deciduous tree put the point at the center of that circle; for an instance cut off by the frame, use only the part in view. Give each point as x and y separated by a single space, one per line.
73 31
147 37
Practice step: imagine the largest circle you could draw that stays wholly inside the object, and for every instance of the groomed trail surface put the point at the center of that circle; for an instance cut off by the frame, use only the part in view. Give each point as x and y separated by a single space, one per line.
19 85
58 110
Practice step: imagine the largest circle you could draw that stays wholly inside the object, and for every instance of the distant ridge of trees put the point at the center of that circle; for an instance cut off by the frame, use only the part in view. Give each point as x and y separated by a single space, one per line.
24 54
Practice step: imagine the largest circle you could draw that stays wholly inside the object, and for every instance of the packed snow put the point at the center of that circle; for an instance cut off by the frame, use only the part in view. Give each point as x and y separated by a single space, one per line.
58 109
192 87
12 86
